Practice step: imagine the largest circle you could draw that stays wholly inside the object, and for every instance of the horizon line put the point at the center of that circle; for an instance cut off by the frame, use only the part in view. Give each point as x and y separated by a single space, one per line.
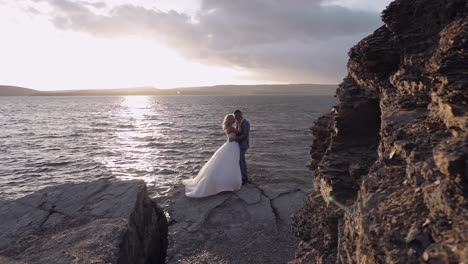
171 88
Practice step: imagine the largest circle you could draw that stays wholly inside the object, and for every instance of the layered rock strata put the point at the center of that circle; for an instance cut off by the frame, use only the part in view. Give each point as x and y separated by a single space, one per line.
391 158
95 222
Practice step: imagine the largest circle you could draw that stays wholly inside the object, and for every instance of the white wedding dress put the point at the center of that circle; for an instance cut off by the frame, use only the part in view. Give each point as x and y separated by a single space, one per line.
221 173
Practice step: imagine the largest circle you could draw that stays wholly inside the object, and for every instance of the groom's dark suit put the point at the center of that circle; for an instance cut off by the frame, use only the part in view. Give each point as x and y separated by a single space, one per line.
243 139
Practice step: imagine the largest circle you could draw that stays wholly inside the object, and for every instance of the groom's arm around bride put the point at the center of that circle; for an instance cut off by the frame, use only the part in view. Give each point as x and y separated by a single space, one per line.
243 139
243 136
244 129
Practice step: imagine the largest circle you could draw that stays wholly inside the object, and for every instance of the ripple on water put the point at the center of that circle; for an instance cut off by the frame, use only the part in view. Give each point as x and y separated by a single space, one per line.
50 140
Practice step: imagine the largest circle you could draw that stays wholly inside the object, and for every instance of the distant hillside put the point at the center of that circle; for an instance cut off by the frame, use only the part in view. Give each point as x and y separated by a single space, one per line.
6 90
264 89
247 90
102 92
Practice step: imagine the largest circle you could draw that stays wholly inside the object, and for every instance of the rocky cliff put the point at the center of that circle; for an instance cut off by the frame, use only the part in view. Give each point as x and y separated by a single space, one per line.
95 222
390 159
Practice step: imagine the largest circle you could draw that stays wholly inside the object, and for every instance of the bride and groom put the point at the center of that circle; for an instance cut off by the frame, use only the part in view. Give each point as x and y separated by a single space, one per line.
226 170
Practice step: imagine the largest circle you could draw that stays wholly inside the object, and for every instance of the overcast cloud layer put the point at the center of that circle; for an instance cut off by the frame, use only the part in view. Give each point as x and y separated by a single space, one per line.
280 41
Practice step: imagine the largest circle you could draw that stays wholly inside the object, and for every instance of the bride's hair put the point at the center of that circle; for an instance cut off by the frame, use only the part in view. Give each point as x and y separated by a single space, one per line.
228 121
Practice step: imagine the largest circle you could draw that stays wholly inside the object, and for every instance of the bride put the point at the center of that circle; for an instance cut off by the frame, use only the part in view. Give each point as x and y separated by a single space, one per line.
222 172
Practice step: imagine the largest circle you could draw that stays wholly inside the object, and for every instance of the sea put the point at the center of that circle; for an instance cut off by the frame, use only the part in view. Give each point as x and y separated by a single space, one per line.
46 141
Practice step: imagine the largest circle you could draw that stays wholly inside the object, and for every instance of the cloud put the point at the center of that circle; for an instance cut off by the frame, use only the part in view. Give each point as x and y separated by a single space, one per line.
95 4
277 40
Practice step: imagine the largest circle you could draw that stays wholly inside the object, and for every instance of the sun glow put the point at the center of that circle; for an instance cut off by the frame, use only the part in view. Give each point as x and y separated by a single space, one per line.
37 55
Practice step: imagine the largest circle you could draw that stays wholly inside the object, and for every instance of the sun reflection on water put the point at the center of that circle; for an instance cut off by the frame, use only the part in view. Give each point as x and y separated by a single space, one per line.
134 133
136 106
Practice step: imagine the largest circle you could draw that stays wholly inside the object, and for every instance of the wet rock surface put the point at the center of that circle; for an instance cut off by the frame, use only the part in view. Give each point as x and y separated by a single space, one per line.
94 222
391 158
251 225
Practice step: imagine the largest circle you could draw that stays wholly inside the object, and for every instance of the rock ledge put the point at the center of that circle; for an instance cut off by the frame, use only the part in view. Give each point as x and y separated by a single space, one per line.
94 222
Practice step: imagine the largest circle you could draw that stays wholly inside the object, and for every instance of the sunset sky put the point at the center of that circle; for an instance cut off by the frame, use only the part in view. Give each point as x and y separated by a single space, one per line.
64 44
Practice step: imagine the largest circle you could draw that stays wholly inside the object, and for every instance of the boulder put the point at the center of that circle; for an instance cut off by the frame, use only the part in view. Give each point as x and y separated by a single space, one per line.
93 222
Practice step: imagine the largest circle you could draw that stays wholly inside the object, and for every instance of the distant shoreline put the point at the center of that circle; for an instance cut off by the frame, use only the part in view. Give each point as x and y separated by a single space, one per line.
219 90
181 95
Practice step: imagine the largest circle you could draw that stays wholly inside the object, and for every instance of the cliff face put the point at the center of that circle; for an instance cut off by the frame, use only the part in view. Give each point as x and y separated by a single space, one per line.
390 159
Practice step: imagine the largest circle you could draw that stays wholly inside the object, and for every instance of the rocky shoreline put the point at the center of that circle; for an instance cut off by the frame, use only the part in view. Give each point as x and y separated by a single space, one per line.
390 160
390 183
116 222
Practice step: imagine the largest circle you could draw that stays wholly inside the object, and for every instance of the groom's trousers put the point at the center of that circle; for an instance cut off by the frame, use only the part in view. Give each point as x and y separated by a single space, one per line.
243 165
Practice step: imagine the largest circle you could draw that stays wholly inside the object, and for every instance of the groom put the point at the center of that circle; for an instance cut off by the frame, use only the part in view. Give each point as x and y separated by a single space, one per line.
243 139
